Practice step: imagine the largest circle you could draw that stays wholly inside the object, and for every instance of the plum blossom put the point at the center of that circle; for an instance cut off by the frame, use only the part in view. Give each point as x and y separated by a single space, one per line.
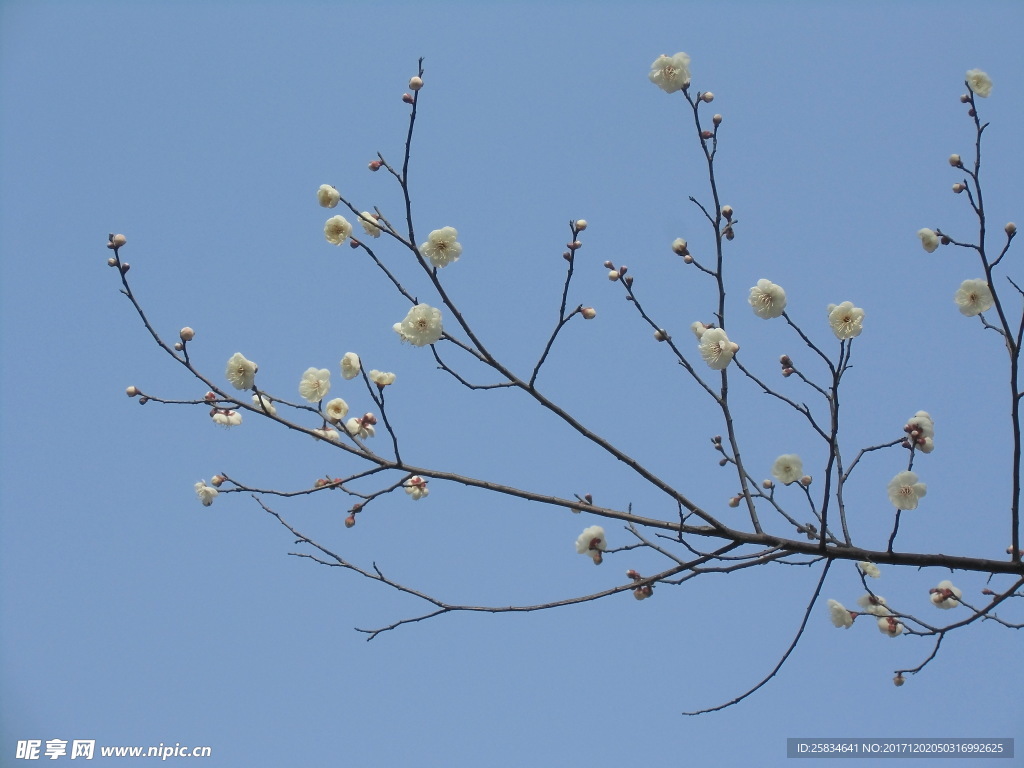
839 615
337 230
921 430
350 366
359 428
973 297
945 595
905 491
888 625
873 604
369 224
869 569
788 468
422 326
442 247
716 349
206 493
979 82
592 543
315 384
929 240
382 379
846 320
264 403
327 196
767 299
226 417
336 410
416 487
241 372
671 73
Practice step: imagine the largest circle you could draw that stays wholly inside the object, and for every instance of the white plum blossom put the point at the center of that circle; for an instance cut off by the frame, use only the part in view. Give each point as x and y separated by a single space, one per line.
929 240
326 433
945 595
921 430
979 82
846 320
226 417
788 468
974 297
905 490
206 493
416 487
369 224
698 329
315 384
337 229
358 428
350 366
336 410
264 403
888 625
671 73
869 569
873 604
381 379
327 196
241 372
592 543
422 326
442 247
716 349
767 299
839 615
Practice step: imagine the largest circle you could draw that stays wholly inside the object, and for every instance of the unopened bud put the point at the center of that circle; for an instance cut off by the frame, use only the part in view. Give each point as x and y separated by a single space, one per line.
350 521
116 241
734 501
368 419
964 98
727 211
707 97
131 391
785 360
581 224
179 345
971 112
407 98
613 275
567 256
660 335
589 313
680 246
209 396
598 559
143 400
187 334
945 240
125 267
574 245
415 83
1010 229
631 574
217 481
706 134
954 160
353 243
717 119
628 280
729 234
588 498
688 259
899 680
806 480
958 187
623 270
111 262
375 165
767 485
609 265
722 463
787 372
639 594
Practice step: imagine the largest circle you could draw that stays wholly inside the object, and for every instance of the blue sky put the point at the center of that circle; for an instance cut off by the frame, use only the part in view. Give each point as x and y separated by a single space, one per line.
133 615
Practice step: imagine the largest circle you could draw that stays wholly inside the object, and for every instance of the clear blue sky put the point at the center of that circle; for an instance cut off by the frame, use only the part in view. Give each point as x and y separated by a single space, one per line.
133 615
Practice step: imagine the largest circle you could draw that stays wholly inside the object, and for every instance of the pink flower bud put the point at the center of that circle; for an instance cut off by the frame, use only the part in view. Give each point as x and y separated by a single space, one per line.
964 98
706 134
623 270
131 391
574 245
209 396
353 243
566 255
350 521
589 313
187 334
143 400
415 83
407 98
609 265
368 419
375 165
